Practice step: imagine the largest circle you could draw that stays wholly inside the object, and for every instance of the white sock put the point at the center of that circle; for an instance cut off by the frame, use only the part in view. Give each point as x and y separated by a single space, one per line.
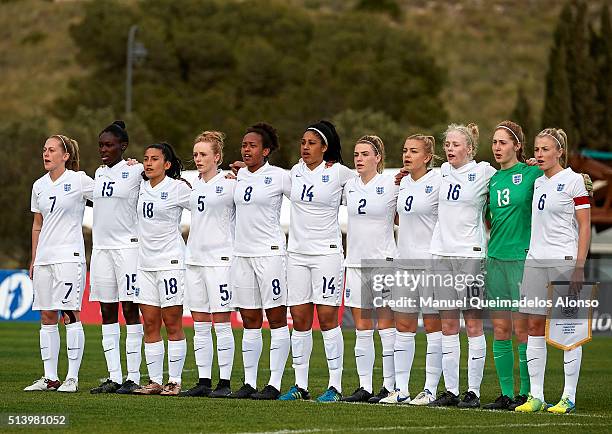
536 364
571 367
387 339
280 343
477 351
75 344
251 351
225 349
334 352
451 352
433 362
404 355
203 348
133 351
154 356
177 351
49 349
364 357
110 344
301 349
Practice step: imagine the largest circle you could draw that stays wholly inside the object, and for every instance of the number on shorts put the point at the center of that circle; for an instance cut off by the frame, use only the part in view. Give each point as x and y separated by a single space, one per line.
147 210
225 295
276 290
328 285
171 286
201 203
541 202
53 198
362 204
307 192
408 205
453 191
107 188
69 285
247 193
473 291
130 280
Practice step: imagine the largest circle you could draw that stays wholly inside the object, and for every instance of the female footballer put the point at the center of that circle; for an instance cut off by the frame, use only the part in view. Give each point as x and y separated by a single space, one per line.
458 246
208 258
510 195
58 266
417 208
161 269
558 247
371 203
314 258
258 268
114 258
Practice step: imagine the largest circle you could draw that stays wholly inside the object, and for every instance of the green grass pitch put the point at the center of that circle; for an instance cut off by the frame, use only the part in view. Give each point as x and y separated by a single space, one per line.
20 361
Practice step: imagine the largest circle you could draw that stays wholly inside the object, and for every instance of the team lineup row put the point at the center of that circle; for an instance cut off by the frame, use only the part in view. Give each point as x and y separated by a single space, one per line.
236 257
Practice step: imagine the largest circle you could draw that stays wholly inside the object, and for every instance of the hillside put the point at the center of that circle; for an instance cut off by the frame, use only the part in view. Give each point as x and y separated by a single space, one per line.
489 48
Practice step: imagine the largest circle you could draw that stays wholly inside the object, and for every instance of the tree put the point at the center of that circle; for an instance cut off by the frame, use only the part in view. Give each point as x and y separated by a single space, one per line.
522 116
226 65
26 139
558 108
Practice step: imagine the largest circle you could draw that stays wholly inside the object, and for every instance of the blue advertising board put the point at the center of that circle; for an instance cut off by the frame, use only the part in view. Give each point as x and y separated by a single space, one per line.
16 296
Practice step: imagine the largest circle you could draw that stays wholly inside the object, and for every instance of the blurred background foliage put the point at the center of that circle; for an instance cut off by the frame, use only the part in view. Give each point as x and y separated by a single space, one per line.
388 67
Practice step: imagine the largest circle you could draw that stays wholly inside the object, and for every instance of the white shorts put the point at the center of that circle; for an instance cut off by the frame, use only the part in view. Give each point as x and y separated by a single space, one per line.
163 288
260 282
208 288
113 275
534 287
59 286
314 279
458 282
361 290
409 291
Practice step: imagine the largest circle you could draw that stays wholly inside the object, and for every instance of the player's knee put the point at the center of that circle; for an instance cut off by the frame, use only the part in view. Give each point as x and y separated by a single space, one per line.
48 317
303 324
69 317
131 313
502 331
110 313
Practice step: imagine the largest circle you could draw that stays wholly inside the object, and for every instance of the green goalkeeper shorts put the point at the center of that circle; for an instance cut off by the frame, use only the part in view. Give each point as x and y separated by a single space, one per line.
503 283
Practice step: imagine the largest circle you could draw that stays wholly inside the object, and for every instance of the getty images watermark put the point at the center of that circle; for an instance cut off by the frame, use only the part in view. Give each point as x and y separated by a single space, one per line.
552 288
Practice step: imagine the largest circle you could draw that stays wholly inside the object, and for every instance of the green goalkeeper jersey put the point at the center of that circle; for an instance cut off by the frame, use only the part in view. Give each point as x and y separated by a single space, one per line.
510 195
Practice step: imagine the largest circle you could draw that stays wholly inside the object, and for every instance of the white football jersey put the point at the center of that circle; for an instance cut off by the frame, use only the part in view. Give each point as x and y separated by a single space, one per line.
460 230
115 196
417 207
554 228
161 245
371 210
315 198
258 197
213 214
61 204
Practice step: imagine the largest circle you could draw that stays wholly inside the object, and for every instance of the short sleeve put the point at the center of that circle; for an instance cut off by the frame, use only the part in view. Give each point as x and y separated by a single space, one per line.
184 194
286 183
579 193
87 186
489 171
344 174
34 201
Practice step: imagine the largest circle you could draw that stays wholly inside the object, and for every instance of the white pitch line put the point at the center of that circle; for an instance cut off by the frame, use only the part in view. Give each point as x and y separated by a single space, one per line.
418 428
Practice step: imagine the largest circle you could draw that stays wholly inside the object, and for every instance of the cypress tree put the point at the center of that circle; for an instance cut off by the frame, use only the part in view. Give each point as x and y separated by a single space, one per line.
558 110
582 75
522 116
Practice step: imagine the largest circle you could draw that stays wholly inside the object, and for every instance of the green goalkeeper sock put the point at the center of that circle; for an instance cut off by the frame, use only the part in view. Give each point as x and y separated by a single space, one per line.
503 353
525 385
